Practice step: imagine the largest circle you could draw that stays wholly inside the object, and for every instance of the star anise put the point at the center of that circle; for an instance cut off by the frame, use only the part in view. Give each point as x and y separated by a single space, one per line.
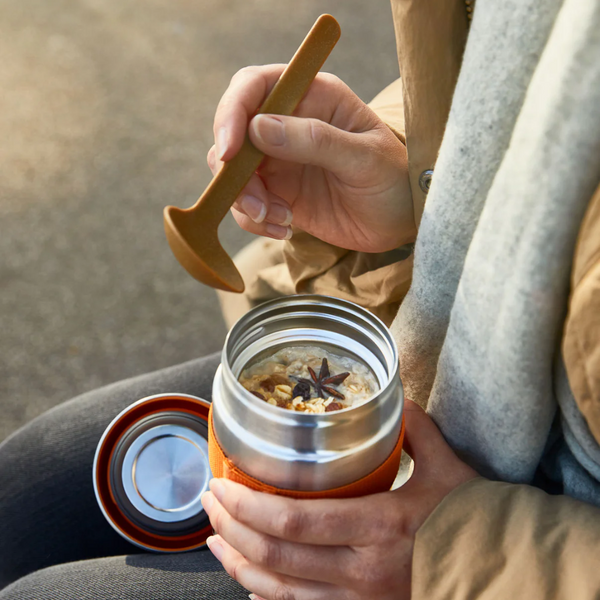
324 381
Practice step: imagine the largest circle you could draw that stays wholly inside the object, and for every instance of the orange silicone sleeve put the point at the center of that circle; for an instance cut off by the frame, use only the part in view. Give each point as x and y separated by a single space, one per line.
379 480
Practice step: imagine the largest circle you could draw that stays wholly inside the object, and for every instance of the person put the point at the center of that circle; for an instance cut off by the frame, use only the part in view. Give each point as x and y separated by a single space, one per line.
498 334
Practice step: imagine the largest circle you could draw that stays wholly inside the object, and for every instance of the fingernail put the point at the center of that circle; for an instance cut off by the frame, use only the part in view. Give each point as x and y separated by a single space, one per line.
218 489
211 157
215 547
222 143
280 215
254 208
269 130
207 501
278 232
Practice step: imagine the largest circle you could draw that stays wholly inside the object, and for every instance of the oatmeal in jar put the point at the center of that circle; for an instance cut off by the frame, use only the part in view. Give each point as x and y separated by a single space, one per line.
310 379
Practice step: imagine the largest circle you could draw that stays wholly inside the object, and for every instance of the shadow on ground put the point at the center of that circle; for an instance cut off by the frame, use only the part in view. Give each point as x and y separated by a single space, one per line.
105 116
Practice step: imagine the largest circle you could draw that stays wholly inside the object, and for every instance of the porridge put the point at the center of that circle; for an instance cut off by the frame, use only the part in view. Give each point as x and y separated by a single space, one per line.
310 379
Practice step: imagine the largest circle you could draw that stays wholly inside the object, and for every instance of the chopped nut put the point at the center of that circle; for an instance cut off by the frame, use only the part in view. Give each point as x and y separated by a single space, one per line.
297 400
258 395
334 406
328 401
272 401
283 392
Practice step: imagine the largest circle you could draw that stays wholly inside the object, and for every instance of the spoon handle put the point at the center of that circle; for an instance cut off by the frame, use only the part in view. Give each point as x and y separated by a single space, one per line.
283 99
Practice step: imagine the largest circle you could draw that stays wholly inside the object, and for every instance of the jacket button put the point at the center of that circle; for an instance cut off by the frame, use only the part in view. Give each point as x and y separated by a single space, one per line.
425 180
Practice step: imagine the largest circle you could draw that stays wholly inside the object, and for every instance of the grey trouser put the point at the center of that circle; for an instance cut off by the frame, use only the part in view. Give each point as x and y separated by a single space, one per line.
54 542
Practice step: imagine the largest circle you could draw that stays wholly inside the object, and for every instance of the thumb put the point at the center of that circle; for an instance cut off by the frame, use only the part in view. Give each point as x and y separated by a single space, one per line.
425 444
308 141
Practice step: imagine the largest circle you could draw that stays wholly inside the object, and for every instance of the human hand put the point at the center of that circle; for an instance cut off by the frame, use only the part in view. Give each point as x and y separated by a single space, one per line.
334 167
351 549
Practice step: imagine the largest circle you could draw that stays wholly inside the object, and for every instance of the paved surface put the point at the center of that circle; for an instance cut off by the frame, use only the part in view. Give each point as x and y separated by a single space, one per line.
105 117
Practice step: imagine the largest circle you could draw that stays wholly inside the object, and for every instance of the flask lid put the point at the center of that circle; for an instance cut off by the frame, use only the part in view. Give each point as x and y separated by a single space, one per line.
151 470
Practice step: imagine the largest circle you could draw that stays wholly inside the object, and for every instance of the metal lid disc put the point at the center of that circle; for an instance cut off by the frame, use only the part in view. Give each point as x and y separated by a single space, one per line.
166 471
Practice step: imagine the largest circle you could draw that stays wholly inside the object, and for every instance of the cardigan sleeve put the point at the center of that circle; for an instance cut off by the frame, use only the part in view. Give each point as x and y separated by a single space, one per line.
493 541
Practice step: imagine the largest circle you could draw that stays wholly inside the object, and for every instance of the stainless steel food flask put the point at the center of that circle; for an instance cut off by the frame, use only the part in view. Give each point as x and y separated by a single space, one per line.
299 451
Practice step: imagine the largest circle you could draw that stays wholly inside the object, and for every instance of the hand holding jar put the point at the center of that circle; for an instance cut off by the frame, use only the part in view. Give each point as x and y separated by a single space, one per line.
350 549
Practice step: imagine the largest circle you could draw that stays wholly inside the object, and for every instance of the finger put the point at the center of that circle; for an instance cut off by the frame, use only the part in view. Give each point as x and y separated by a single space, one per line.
419 423
270 230
267 584
327 522
331 564
261 205
254 200
278 211
426 445
246 92
258 203
214 164
312 142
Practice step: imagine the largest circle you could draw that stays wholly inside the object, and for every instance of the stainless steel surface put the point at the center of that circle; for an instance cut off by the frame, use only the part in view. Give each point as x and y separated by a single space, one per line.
425 180
165 472
302 451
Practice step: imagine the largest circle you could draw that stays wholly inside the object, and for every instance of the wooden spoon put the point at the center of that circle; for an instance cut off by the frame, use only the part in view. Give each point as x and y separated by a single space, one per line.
192 232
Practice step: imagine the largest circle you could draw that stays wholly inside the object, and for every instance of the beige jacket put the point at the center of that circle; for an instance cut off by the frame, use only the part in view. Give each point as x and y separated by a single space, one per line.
487 540
491 540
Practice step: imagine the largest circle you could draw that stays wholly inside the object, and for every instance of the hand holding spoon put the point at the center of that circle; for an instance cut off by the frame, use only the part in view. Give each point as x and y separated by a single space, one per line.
192 232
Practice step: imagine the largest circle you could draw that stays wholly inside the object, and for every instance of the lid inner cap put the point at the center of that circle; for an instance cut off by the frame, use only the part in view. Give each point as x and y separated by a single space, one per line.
165 473
170 472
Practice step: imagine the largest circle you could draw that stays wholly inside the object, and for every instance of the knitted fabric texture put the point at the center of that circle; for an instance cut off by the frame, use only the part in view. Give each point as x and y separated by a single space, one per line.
480 329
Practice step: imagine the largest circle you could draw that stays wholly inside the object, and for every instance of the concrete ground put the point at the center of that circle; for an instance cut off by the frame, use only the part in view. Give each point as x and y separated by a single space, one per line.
105 117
